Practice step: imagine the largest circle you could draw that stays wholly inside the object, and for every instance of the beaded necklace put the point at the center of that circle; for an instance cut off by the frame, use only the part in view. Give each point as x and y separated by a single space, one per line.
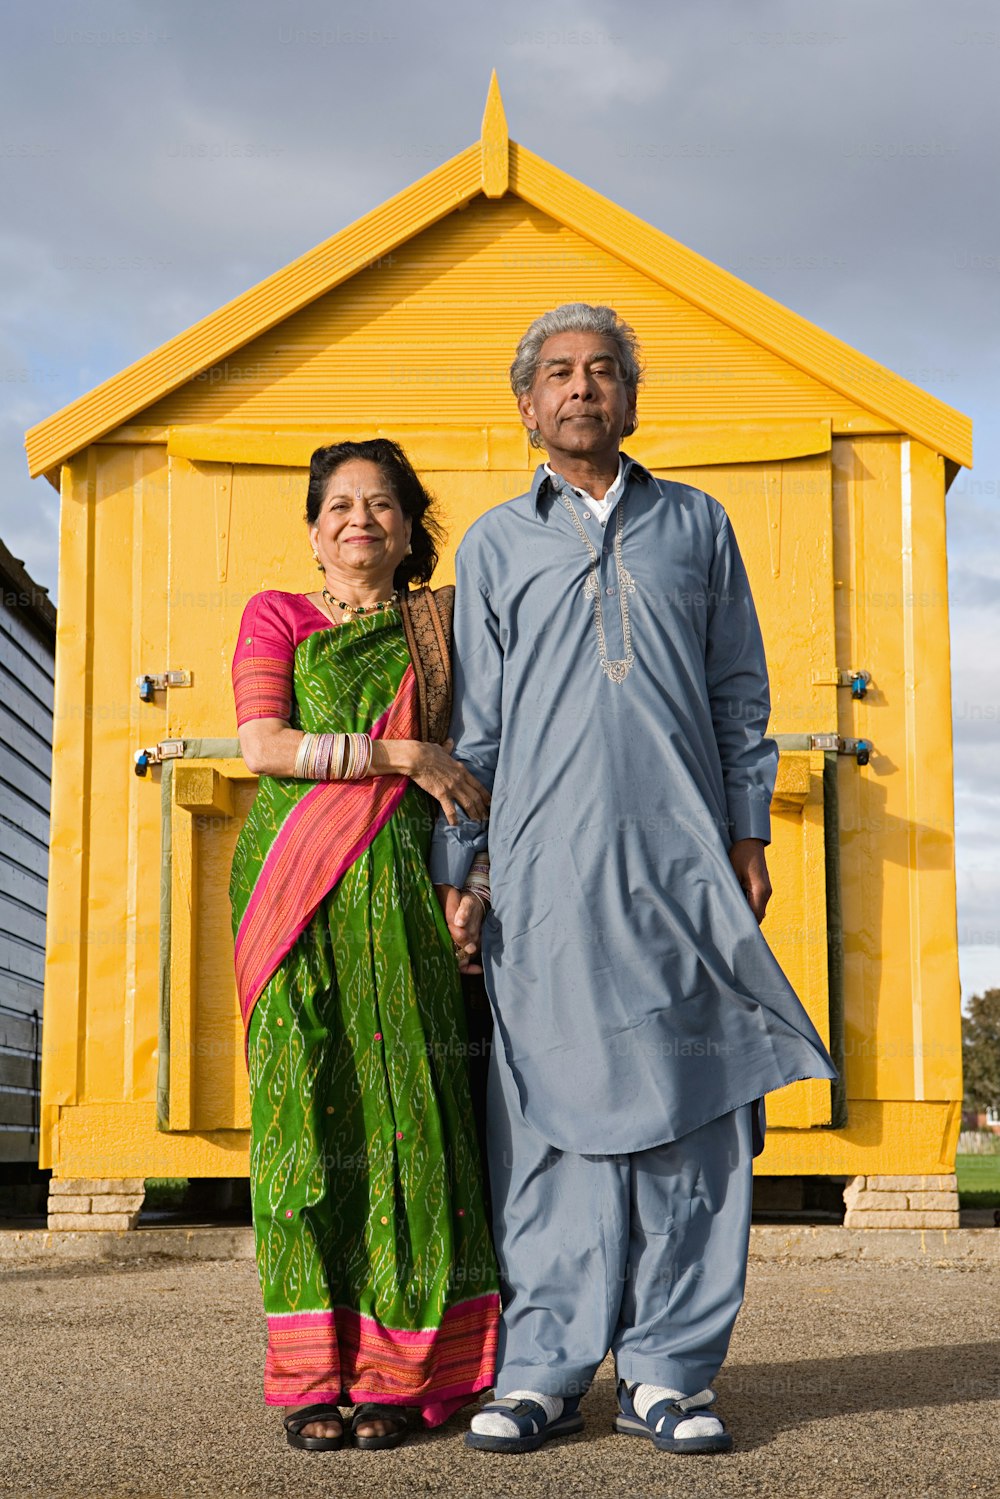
350 610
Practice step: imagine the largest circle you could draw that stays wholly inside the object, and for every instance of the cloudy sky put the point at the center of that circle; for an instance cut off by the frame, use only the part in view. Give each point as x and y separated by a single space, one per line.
157 157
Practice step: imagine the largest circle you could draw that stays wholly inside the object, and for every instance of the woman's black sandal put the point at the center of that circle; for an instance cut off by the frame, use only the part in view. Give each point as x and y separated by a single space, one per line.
398 1415
294 1423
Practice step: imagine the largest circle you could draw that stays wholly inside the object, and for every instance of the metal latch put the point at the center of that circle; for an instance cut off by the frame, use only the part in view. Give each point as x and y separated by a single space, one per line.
861 749
152 682
167 749
857 681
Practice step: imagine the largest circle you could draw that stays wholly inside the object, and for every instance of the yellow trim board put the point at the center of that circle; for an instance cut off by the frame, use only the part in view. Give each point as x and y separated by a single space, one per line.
882 1137
505 445
114 1140
907 1139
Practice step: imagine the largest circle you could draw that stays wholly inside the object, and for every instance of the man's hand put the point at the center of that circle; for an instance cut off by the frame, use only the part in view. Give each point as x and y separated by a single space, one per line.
747 858
464 915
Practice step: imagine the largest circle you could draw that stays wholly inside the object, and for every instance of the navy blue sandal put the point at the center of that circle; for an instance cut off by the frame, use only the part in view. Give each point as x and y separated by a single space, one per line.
534 1427
663 1419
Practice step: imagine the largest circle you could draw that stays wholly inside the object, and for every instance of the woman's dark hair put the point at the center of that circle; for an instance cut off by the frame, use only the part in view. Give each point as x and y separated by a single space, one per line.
414 501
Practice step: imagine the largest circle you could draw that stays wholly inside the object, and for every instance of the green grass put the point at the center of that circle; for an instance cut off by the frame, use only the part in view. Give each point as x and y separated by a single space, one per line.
978 1180
165 1191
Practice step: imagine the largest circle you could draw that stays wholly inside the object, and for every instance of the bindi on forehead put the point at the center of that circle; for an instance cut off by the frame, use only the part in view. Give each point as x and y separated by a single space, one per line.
357 493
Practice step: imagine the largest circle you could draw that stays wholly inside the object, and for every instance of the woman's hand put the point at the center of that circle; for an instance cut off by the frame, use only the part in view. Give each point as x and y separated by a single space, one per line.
436 772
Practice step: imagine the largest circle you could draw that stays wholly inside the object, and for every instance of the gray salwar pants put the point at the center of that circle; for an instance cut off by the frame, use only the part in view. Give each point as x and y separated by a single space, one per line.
642 1254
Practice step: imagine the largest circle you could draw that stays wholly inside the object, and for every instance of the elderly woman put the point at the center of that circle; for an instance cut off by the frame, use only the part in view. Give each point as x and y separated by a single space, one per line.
372 1243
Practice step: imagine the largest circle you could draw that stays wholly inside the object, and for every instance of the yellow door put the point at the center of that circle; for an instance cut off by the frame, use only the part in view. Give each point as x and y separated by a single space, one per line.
235 529
782 516
239 527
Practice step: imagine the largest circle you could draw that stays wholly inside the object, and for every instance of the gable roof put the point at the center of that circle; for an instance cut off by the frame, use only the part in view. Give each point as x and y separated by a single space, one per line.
493 166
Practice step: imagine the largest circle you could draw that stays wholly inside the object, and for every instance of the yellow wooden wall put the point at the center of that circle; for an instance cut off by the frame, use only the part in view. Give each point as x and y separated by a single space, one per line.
428 334
844 544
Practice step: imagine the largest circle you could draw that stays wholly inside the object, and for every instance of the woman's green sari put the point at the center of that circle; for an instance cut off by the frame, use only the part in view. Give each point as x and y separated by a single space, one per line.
372 1244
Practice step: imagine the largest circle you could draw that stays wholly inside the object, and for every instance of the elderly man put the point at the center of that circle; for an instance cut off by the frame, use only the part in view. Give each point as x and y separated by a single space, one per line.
611 689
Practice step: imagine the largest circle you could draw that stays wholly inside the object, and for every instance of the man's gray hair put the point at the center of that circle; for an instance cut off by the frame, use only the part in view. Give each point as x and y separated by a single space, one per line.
576 317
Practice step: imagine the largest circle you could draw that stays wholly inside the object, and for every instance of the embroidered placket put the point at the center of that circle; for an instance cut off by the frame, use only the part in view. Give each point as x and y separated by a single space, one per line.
615 671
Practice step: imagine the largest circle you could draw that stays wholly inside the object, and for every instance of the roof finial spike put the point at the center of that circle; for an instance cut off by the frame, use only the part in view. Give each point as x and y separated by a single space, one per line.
494 143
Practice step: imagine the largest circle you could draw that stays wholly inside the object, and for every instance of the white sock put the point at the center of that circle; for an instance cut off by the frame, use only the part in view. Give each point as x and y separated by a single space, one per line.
495 1425
646 1396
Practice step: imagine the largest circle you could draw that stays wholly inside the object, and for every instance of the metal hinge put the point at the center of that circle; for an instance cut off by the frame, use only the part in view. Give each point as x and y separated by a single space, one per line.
860 748
857 679
151 682
167 749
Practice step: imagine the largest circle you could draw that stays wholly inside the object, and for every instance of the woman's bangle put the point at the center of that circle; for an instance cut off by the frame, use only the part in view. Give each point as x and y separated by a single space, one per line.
333 757
478 880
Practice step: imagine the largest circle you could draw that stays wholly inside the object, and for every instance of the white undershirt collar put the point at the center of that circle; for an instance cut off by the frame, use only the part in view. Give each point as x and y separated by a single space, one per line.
601 508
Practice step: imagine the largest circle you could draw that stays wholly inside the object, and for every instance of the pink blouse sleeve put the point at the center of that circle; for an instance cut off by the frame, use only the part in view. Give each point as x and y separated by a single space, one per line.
262 663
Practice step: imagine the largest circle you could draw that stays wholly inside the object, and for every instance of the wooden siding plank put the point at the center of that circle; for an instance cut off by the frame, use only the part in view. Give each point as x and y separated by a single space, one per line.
111 718
22 740
29 784
20 995
30 645
183 966
21 885
930 785
18 1108
150 636
65 1027
25 856
30 672
21 959
18 1072
17 1032
24 710
18 1145
25 821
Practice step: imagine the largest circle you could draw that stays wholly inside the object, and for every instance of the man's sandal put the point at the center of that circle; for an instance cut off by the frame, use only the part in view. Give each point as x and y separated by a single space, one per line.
400 1417
533 1426
664 1422
294 1423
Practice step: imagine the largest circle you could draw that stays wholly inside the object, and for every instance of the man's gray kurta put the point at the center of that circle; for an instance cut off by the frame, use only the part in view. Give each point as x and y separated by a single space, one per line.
611 689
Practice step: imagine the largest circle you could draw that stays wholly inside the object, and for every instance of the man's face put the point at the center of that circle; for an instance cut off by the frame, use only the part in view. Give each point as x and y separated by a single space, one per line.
578 401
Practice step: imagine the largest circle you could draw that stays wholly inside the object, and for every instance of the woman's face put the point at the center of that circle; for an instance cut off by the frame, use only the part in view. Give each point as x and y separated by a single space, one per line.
361 533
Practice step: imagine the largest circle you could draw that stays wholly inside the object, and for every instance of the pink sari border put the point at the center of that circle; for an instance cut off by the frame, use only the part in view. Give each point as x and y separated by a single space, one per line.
434 1370
362 810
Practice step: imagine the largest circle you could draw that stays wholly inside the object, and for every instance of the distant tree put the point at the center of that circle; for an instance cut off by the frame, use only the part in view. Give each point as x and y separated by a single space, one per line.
981 1050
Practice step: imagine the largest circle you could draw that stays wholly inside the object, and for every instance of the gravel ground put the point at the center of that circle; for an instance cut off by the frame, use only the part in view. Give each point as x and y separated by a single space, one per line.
144 1380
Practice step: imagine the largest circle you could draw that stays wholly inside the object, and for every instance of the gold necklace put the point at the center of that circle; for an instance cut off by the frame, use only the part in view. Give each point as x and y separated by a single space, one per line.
350 610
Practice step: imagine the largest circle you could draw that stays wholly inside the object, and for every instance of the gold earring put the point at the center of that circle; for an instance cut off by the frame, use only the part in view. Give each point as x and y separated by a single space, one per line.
317 561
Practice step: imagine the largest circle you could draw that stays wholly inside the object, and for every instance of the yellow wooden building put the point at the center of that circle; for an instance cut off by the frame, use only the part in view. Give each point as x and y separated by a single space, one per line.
182 484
